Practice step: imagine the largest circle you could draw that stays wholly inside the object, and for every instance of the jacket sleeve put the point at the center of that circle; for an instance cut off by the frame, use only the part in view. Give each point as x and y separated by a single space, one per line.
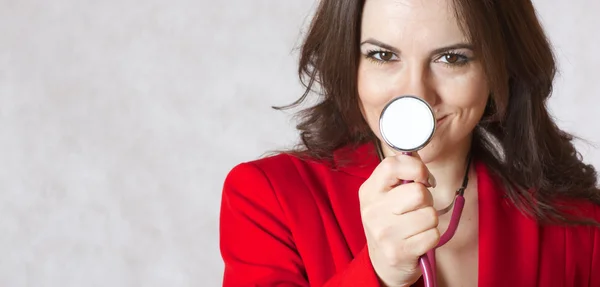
595 268
256 244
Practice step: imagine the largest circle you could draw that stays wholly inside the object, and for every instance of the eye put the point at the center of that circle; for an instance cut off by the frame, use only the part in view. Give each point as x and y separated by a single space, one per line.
384 56
453 59
381 56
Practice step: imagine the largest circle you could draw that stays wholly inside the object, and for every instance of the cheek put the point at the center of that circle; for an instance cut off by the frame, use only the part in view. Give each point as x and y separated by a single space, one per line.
373 95
467 93
371 87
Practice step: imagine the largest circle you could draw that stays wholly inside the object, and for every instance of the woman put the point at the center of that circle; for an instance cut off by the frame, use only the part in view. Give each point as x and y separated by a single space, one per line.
332 213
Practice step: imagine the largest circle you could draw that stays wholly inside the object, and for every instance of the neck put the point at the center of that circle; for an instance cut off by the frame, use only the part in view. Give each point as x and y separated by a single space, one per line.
448 169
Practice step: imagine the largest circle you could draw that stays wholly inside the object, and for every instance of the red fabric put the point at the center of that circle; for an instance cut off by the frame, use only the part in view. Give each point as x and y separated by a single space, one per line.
289 222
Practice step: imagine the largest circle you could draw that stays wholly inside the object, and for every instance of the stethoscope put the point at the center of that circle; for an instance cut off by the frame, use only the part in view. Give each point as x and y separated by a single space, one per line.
407 124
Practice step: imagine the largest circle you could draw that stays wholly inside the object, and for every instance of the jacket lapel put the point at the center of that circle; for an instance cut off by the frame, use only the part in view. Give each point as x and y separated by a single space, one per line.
353 165
508 240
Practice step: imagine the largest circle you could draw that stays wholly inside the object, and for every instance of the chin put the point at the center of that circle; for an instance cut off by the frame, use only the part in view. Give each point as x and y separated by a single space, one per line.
441 148
430 153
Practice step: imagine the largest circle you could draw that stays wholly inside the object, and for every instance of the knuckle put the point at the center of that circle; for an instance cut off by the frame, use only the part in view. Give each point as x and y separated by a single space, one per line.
388 164
422 172
391 257
410 249
425 195
435 238
426 242
431 216
382 234
368 213
436 234
418 196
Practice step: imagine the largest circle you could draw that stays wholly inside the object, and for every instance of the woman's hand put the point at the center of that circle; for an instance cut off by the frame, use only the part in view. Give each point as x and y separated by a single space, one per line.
399 220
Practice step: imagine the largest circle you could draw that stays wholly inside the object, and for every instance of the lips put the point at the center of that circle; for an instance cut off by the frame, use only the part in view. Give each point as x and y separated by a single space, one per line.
440 120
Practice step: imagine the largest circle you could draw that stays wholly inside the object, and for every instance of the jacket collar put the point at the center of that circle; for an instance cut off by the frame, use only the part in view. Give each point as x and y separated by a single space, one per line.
357 160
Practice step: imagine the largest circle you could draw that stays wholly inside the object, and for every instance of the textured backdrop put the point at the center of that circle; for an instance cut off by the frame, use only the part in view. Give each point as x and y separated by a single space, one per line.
119 120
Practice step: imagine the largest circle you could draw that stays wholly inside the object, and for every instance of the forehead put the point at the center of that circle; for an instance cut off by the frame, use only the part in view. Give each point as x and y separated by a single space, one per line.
421 21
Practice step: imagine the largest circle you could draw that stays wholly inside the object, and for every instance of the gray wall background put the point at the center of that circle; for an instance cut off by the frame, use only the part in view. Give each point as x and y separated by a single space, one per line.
120 119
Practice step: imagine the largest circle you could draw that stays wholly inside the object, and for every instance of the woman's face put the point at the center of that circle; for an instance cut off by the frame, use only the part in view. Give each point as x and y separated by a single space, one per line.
416 47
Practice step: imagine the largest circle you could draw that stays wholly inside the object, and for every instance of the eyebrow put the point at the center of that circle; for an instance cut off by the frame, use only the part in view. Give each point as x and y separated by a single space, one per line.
434 52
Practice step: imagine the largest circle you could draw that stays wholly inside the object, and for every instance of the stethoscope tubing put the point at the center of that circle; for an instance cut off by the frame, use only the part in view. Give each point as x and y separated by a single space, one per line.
427 261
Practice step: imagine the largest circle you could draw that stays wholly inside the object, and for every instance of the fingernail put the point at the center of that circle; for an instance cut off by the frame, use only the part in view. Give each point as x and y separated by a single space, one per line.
431 180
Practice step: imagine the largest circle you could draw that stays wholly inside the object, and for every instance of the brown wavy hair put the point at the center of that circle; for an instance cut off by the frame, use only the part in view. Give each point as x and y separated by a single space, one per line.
516 138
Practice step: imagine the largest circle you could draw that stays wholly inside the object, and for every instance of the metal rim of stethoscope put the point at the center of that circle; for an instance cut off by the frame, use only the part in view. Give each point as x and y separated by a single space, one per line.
383 132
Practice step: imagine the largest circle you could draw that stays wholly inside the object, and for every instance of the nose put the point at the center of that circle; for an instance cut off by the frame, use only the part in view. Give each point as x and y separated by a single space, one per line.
416 80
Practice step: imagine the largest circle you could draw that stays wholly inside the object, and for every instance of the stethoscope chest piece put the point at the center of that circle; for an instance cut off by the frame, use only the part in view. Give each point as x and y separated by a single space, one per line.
407 123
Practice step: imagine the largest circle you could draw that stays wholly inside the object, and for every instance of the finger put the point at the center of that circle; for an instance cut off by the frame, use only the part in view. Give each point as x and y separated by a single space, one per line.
415 222
392 170
420 243
394 227
408 197
398 226
383 179
423 175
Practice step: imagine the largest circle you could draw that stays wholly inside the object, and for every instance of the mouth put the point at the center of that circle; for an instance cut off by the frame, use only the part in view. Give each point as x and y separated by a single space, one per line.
441 120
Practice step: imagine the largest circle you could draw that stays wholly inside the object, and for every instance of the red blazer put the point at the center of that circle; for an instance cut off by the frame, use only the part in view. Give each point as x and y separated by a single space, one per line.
289 222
